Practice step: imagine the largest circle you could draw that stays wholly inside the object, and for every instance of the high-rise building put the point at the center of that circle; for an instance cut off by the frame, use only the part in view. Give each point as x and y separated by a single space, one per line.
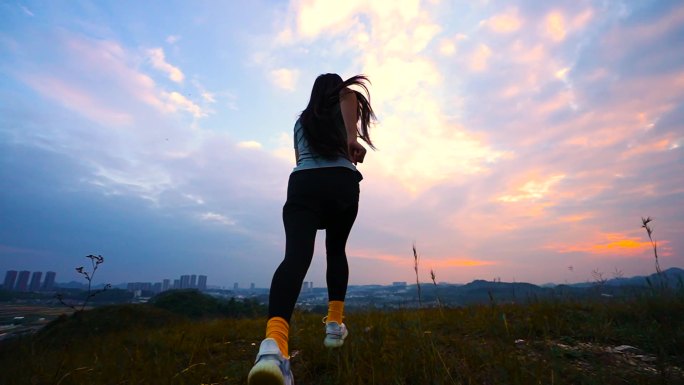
133 286
166 284
139 286
176 283
202 283
49 282
251 286
185 282
157 287
236 286
307 285
10 279
193 281
35 281
22 283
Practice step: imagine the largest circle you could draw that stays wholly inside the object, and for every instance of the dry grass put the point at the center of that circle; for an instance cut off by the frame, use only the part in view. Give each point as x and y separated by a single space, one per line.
543 342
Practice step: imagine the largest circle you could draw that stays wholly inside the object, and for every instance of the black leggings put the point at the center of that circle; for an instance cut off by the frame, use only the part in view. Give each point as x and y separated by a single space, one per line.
322 198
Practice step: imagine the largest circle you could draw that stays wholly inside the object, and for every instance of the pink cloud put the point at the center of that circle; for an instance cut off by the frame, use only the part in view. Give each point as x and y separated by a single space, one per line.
158 60
504 22
652 146
622 39
79 99
610 245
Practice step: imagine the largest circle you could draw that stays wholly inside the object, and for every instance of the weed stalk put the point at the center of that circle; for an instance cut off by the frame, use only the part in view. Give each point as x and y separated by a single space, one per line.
415 267
439 302
654 244
96 261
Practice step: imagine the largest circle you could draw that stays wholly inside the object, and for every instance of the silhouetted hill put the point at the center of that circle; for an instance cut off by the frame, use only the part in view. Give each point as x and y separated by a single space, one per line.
480 291
194 304
105 320
673 276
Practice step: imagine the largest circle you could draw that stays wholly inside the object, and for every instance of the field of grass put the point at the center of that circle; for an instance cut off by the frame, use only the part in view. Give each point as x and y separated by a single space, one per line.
537 343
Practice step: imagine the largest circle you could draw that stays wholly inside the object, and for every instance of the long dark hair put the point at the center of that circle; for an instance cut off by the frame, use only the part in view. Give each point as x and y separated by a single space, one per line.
322 120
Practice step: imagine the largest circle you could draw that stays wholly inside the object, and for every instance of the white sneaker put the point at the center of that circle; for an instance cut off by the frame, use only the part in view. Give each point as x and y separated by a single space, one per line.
335 334
270 367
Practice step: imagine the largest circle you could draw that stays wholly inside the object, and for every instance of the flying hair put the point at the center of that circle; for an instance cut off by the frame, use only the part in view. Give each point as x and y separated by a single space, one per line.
322 119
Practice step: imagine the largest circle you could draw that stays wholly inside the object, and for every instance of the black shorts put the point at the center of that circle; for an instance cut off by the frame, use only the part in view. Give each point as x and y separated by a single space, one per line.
328 192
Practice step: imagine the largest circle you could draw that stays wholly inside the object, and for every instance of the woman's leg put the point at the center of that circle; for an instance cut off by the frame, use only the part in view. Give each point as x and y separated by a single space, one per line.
337 233
300 234
337 274
340 214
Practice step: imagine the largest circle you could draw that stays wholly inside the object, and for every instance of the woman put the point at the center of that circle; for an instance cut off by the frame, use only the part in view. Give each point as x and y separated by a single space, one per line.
322 193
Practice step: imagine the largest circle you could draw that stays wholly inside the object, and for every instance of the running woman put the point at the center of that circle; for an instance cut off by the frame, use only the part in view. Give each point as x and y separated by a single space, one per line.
322 193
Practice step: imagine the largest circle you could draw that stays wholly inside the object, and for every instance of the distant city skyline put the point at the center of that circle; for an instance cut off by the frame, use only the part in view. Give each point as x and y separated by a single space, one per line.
184 281
19 281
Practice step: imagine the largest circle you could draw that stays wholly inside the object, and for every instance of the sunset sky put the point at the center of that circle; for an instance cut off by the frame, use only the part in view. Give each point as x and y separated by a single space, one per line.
520 140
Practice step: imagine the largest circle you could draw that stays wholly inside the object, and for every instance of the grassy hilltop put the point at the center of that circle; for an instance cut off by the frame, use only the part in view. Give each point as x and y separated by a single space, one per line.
542 342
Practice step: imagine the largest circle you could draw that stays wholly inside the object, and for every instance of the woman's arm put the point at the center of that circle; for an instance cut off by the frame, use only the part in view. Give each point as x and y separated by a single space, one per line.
349 106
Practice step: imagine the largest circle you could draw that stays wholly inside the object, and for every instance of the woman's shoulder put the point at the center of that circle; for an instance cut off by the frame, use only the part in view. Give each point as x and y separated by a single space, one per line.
348 96
346 92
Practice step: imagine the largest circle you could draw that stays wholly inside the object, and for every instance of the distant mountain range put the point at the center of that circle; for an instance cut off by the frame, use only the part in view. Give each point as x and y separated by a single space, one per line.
481 291
673 276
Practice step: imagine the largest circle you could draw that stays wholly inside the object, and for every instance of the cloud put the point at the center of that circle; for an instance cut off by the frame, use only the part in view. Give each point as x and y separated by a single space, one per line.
176 100
147 182
447 47
504 23
113 67
421 145
27 11
479 58
316 17
555 28
455 262
231 101
79 99
209 97
250 144
532 190
217 218
580 217
194 198
139 145
173 39
158 60
609 244
426 262
285 78
652 146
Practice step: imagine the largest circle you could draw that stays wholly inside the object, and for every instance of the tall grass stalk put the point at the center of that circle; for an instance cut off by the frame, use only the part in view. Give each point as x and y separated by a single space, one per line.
439 302
416 258
654 244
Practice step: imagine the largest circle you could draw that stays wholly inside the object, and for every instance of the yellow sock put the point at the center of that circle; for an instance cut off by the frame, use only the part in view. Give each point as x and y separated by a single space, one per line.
335 309
278 329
